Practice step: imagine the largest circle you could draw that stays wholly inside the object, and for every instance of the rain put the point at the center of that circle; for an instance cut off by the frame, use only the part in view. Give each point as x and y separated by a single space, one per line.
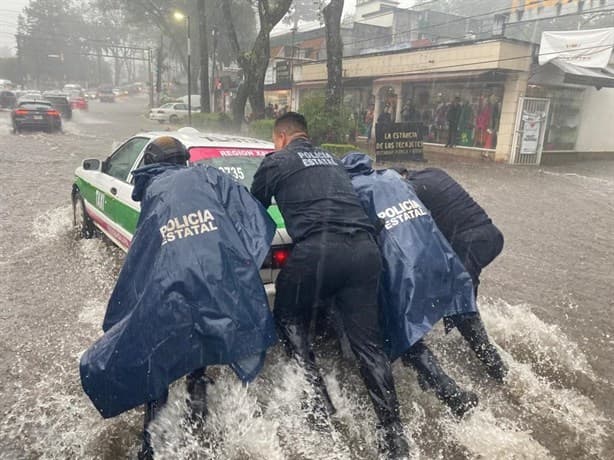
529 140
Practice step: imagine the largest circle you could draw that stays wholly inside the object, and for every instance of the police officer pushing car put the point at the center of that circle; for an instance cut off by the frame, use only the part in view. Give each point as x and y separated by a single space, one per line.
335 257
475 239
189 294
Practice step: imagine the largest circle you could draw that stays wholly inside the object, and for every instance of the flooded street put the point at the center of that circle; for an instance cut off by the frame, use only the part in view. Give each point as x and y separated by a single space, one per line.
547 301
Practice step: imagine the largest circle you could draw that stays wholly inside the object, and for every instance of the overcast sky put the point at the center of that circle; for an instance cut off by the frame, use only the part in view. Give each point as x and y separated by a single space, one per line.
9 10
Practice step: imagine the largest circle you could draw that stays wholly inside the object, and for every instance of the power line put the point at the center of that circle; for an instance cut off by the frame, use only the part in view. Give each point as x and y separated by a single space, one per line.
491 61
467 18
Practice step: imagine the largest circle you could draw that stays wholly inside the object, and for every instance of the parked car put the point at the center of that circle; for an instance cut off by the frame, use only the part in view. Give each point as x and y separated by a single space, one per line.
61 103
172 112
8 99
101 193
106 94
36 114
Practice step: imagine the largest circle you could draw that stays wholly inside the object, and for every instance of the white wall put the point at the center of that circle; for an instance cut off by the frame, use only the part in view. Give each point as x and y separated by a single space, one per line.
597 124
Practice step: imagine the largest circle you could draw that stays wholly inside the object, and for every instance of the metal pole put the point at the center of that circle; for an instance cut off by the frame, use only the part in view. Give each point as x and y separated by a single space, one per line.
213 83
189 74
150 73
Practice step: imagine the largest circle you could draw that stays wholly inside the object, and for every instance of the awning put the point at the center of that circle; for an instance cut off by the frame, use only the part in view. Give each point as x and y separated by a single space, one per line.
561 73
431 76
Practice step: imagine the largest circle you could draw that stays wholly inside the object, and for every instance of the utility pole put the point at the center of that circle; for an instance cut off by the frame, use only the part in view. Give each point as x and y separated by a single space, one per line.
151 83
213 82
205 103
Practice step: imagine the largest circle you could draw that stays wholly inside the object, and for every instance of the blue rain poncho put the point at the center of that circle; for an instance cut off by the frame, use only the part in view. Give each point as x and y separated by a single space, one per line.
189 294
423 280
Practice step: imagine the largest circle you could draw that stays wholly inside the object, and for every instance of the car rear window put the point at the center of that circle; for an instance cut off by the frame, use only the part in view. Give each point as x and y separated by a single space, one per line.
239 163
57 99
34 106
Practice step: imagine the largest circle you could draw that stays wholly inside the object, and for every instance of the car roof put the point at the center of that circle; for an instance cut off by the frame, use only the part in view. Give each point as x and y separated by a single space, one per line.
191 137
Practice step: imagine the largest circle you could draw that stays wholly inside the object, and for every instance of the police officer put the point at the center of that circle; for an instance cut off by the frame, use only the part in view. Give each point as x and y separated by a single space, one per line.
334 256
169 315
168 150
474 238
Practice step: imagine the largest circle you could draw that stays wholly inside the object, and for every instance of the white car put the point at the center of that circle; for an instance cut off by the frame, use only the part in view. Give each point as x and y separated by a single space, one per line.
173 112
102 190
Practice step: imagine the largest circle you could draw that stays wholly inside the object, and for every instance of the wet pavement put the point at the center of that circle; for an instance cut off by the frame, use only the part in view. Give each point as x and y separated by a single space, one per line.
547 302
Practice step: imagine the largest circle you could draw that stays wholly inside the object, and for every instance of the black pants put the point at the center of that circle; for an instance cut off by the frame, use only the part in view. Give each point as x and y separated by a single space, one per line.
196 385
347 270
477 248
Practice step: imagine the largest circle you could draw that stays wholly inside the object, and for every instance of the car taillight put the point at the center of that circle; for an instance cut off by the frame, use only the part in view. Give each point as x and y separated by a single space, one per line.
53 113
279 257
21 112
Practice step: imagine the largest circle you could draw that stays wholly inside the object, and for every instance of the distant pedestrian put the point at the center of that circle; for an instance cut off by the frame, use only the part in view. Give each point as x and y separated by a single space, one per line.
453 116
369 117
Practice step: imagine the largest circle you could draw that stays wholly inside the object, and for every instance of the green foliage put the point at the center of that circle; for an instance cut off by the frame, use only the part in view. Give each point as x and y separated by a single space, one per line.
340 150
261 129
217 122
326 125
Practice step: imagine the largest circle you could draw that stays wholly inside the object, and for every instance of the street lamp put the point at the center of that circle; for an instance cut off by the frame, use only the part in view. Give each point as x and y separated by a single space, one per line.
179 16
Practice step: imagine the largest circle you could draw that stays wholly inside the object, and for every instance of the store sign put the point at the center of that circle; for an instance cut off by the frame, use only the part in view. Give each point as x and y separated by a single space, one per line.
399 141
282 72
584 48
532 126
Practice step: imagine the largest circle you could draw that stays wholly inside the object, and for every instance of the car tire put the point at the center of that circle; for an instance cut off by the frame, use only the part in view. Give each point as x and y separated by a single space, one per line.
173 119
82 224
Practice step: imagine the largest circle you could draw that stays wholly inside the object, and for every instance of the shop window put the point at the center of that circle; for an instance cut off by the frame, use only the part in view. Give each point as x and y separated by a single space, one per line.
478 115
563 118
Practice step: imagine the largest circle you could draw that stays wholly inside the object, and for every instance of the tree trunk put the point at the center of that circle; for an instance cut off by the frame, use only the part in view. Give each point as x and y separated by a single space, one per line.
254 63
261 54
334 54
205 104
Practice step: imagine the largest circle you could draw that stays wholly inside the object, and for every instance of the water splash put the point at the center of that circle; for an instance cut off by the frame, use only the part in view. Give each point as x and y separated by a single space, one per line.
53 224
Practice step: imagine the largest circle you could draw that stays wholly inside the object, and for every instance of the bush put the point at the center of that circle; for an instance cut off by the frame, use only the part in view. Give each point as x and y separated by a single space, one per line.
340 150
261 129
326 125
217 122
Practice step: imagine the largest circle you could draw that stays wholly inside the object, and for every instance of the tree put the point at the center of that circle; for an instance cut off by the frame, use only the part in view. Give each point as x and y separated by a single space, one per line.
303 10
254 63
51 43
334 54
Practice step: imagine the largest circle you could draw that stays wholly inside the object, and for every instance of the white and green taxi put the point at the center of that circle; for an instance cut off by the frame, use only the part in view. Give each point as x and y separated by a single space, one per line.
101 193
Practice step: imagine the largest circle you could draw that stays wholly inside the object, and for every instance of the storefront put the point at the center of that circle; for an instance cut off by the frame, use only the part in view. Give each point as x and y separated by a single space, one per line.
276 96
420 84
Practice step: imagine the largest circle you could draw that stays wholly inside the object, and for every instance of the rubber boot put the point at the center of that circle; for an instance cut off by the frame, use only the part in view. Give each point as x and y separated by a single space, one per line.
431 375
472 329
196 384
152 409
395 445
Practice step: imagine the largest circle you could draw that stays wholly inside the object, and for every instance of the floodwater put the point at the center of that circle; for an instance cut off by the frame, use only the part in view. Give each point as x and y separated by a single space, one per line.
547 301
